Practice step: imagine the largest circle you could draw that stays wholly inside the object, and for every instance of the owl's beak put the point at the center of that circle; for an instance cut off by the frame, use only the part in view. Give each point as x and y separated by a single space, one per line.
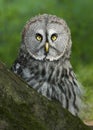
47 47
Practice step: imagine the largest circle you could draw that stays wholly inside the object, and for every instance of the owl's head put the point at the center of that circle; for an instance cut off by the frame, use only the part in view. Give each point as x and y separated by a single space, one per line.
47 37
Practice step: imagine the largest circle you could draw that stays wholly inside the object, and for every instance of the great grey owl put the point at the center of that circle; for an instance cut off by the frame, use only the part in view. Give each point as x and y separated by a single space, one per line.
44 61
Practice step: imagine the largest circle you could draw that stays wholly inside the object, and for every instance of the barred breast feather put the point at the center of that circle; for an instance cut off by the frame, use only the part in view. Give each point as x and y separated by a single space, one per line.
54 80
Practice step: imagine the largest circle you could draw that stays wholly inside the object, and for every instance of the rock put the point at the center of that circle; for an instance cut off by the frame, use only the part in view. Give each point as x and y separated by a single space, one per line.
22 108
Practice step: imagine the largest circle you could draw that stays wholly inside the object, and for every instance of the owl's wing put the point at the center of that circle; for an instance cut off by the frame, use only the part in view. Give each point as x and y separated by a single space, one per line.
16 68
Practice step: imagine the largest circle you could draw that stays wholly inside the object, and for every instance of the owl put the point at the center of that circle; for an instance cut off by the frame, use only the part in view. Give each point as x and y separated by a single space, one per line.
44 61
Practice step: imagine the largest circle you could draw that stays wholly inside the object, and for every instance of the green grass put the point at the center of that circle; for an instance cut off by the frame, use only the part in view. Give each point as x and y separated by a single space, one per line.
85 76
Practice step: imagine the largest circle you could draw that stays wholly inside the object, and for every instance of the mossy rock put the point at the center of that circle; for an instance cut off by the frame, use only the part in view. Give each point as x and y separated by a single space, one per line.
22 108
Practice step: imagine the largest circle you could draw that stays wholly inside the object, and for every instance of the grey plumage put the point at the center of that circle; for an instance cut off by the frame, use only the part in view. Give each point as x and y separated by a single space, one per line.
44 61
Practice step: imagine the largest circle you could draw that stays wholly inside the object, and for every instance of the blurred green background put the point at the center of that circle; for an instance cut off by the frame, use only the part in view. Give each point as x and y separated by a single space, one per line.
79 17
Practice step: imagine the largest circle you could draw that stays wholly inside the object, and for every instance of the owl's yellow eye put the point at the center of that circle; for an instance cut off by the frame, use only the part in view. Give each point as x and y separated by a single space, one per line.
54 37
39 37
